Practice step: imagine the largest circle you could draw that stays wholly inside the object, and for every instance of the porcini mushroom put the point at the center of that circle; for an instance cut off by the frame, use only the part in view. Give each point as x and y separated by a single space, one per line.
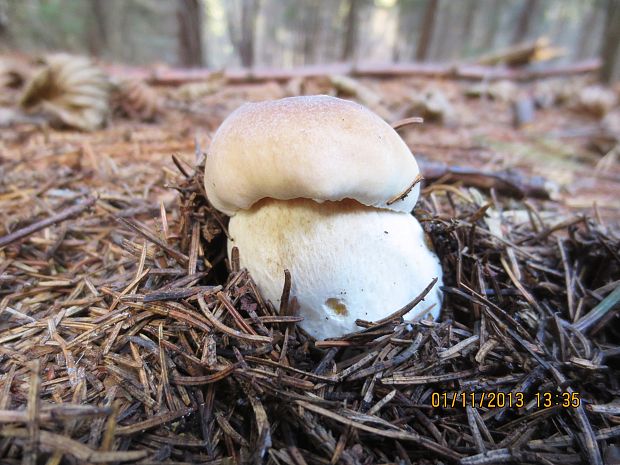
323 187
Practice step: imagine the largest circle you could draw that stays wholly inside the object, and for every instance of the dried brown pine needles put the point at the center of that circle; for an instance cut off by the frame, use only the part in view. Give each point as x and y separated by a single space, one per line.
127 340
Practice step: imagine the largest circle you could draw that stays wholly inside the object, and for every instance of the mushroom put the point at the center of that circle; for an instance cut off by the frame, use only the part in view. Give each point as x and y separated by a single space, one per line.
323 187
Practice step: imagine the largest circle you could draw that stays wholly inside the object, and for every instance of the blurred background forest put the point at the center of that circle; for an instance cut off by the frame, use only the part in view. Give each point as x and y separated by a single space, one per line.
287 33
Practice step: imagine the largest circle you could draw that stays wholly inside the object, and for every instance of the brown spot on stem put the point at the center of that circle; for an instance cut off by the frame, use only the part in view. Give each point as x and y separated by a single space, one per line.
337 306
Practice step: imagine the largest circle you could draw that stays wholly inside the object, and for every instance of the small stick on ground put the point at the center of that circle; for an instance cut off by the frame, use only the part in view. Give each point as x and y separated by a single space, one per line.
55 219
406 192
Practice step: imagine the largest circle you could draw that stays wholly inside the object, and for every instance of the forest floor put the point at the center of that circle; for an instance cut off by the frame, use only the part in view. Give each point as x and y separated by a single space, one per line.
563 143
125 336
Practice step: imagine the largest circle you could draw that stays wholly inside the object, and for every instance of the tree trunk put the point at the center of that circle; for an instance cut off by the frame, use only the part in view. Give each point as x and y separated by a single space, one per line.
426 35
242 37
4 24
351 25
470 15
189 17
493 21
272 51
405 27
524 22
441 47
584 38
311 30
611 41
331 32
249 15
97 38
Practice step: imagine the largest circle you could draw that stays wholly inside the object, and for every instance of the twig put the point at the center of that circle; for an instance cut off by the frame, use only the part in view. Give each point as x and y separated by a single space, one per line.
407 308
55 219
397 434
605 309
405 193
407 121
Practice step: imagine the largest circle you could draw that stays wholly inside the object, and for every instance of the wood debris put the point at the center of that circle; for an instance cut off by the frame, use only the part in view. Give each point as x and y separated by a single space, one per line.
524 54
135 99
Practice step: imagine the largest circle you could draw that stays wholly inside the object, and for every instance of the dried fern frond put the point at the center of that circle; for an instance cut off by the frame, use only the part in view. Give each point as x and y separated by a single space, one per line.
70 90
136 99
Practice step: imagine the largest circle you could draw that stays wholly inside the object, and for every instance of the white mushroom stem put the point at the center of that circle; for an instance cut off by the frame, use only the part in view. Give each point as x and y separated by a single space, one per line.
347 261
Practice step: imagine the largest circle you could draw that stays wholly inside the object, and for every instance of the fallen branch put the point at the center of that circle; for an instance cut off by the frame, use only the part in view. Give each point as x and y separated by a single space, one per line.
523 54
511 182
177 76
55 219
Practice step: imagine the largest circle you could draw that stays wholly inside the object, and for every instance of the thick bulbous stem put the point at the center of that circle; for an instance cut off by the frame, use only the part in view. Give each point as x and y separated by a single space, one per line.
347 261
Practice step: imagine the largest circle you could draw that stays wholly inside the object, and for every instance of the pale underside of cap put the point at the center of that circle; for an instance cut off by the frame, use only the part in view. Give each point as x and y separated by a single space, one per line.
347 261
313 147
